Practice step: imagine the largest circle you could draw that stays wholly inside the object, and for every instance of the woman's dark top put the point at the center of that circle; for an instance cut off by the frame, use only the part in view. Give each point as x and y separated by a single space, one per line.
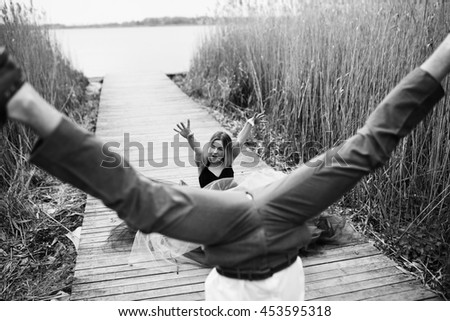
207 177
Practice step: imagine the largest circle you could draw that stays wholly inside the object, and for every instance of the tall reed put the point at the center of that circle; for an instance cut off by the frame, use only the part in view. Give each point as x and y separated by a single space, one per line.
317 69
54 78
48 71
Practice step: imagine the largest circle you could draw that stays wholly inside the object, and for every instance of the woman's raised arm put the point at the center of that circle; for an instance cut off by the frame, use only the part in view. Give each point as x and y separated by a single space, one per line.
245 132
185 131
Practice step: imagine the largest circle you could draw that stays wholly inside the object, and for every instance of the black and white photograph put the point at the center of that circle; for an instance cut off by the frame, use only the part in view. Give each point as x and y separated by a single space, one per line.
189 151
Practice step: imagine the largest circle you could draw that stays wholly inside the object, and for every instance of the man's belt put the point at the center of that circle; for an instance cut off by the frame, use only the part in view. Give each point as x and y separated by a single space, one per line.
256 275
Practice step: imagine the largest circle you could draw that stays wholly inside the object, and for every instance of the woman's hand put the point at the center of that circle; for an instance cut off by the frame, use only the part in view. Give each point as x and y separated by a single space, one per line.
183 130
256 119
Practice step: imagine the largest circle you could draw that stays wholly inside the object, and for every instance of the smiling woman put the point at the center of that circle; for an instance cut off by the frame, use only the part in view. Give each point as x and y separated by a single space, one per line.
215 159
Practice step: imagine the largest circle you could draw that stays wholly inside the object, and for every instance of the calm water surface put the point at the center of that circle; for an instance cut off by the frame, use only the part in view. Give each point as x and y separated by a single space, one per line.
99 51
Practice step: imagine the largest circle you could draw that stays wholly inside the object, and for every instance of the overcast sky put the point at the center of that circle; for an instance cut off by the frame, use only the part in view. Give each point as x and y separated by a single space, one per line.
101 11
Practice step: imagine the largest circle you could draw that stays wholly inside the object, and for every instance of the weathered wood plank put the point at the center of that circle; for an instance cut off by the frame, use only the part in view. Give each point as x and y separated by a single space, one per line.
352 269
385 292
118 268
156 280
349 280
146 270
417 293
337 292
197 296
341 254
165 285
190 292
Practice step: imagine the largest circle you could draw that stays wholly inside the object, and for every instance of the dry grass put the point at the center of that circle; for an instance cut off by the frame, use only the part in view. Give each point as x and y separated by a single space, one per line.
36 211
317 72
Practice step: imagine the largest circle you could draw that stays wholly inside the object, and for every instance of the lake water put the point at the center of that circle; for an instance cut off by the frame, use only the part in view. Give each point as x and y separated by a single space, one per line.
99 51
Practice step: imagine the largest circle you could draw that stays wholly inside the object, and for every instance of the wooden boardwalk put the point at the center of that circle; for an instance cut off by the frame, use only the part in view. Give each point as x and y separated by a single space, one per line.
139 111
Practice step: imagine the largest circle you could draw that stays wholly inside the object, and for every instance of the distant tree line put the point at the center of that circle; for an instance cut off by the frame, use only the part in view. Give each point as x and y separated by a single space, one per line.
163 21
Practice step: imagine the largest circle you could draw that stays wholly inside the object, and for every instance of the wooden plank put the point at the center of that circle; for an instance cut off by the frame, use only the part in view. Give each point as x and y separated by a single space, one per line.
385 292
83 279
354 279
131 282
167 286
416 293
191 292
197 296
324 292
341 254
352 269
118 268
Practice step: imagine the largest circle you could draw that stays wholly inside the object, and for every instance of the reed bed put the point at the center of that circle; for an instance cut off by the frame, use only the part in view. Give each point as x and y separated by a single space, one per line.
317 69
35 210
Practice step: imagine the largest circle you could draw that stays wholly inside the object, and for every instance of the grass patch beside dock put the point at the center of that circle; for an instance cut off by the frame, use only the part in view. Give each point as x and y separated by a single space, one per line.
36 210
